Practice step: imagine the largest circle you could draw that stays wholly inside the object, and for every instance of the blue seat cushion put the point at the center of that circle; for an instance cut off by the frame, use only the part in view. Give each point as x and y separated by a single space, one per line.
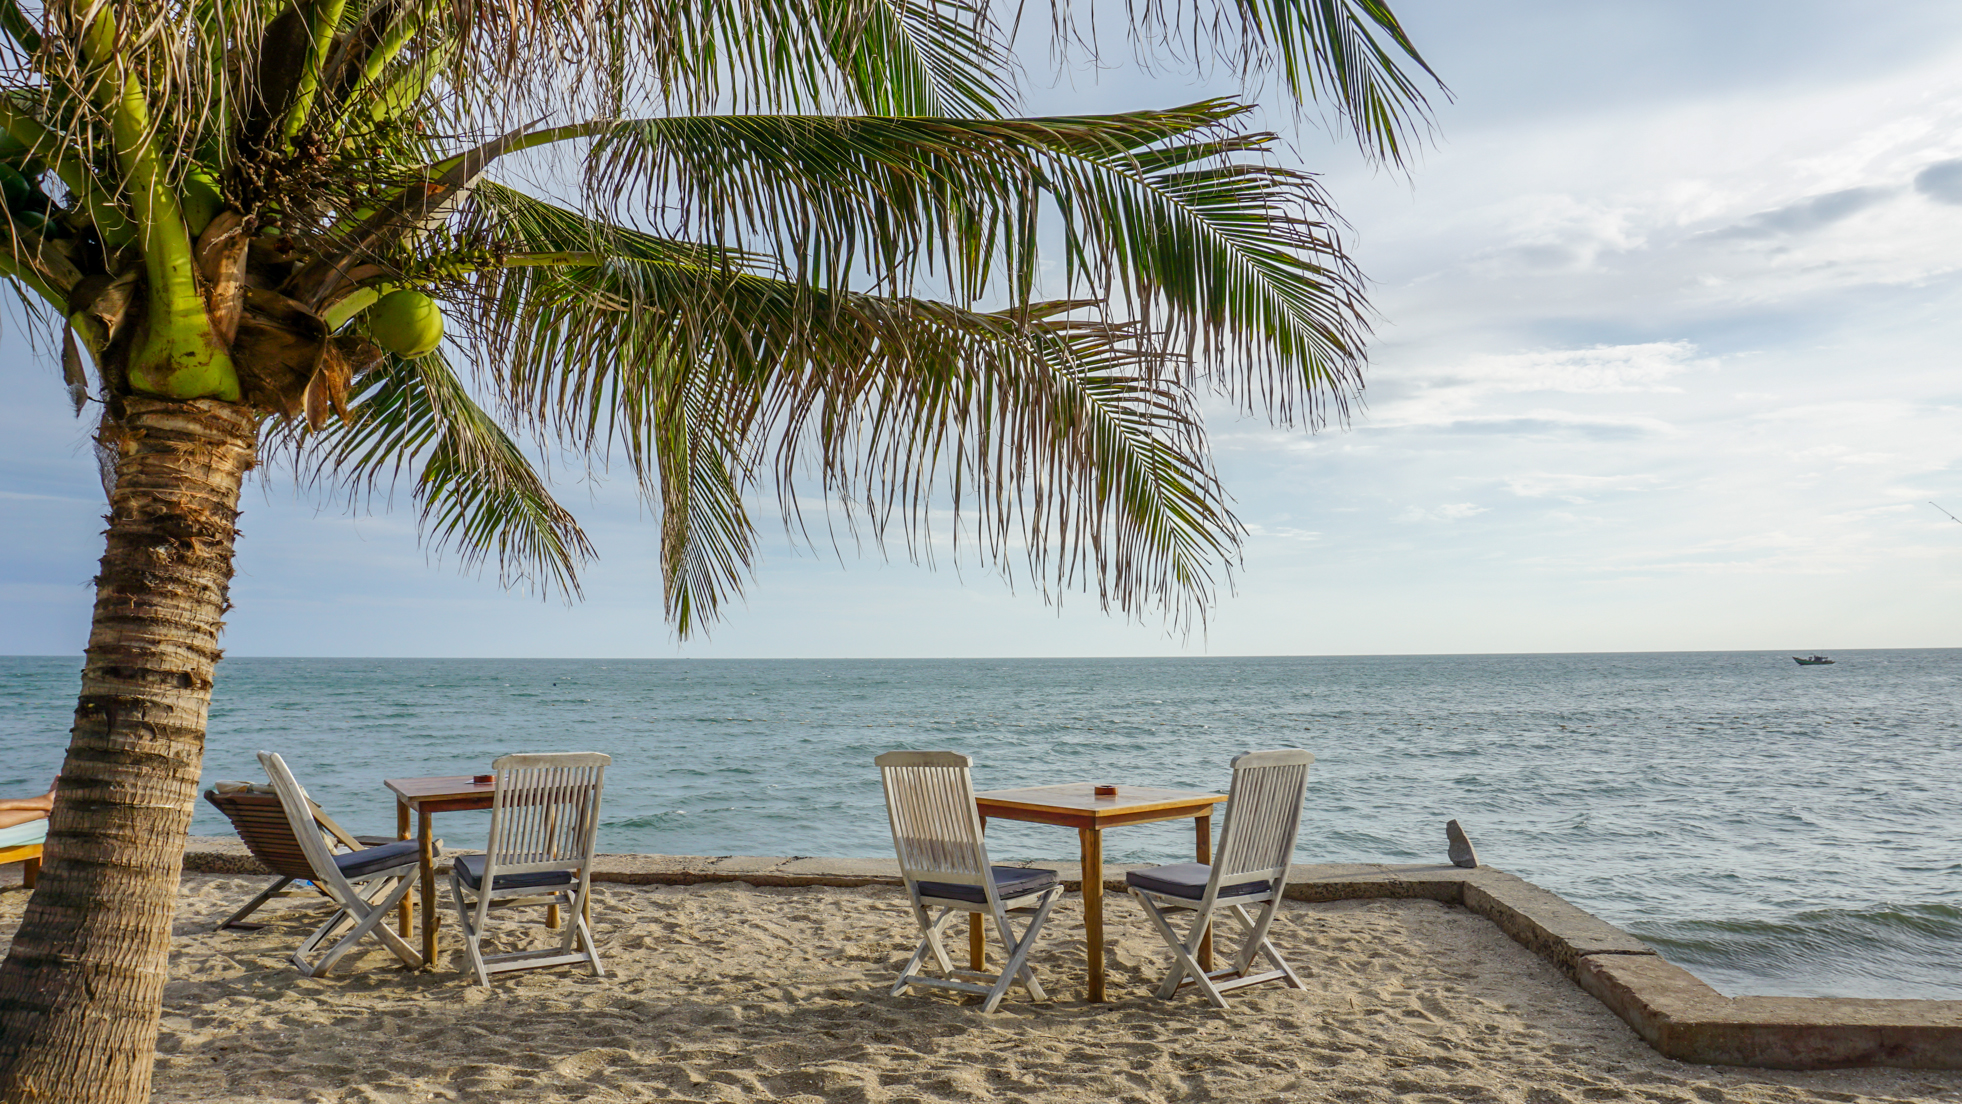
20 835
1010 881
471 869
1188 880
355 864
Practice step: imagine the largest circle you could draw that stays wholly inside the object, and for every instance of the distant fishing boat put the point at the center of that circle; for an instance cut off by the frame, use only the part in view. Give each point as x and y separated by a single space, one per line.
1810 661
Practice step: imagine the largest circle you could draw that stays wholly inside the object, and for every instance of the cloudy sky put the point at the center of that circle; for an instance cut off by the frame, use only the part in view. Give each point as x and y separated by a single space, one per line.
1667 360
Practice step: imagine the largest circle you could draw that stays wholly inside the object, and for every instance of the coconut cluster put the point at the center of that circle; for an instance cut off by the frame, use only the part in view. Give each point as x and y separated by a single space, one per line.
28 207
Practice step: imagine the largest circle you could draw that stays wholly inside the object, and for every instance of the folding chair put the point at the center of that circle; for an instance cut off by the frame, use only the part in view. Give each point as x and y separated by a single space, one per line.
544 819
259 818
1250 867
365 885
937 834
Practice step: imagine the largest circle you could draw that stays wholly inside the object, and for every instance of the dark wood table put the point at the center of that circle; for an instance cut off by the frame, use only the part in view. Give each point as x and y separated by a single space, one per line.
1076 805
427 797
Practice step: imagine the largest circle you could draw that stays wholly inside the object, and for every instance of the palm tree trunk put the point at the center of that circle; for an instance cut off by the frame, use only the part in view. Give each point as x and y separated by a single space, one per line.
82 986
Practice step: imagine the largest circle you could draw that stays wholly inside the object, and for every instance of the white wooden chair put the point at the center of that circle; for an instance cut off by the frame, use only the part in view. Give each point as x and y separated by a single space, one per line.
365 885
1250 867
544 819
937 834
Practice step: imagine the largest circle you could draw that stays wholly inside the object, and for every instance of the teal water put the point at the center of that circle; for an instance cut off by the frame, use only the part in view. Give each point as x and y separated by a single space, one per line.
1776 830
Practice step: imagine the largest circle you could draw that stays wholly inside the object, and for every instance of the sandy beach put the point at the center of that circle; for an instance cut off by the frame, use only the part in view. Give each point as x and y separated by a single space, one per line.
736 993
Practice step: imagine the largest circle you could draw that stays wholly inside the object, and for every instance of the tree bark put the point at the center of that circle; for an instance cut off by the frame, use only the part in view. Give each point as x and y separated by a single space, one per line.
82 986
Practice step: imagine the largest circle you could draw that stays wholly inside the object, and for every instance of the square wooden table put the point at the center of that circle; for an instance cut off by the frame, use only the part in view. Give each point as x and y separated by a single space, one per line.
426 797
1076 805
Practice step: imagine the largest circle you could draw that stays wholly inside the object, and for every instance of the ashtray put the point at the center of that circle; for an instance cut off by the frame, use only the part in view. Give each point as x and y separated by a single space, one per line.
1106 791
484 779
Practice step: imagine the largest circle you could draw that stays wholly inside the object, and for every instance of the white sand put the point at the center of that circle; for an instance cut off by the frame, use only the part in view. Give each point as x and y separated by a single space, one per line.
736 993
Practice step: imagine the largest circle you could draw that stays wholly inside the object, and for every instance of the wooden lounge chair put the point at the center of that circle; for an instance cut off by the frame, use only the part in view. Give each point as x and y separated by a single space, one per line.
22 844
260 821
1250 867
544 820
937 834
365 885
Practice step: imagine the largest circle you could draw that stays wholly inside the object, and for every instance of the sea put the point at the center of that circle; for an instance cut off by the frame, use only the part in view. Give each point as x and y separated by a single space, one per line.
1773 829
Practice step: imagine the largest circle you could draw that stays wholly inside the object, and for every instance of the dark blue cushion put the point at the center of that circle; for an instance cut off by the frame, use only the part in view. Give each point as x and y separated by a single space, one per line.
1188 880
471 867
354 864
1010 881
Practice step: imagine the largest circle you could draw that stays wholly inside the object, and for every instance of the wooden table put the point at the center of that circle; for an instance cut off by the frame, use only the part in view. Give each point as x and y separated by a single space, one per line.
428 796
1076 805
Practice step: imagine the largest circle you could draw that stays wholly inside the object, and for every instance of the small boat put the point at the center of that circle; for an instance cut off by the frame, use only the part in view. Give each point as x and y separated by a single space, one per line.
1810 661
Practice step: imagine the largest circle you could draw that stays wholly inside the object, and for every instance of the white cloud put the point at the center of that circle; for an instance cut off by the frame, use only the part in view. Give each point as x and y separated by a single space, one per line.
1457 511
1572 487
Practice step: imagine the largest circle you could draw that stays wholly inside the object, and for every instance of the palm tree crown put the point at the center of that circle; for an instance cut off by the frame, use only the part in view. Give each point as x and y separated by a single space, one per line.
777 241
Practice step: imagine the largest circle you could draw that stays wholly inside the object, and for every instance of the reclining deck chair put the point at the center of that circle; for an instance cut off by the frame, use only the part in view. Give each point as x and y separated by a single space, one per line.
1250 867
544 819
23 844
364 885
259 818
937 835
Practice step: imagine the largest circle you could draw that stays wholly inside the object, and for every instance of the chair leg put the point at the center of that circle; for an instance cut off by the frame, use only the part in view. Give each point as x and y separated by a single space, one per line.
253 906
410 957
466 921
1016 968
1257 942
586 936
930 930
372 915
1184 963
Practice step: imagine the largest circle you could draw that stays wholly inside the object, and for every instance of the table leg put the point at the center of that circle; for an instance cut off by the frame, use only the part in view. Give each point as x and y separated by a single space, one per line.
406 911
1202 831
426 836
1092 840
977 931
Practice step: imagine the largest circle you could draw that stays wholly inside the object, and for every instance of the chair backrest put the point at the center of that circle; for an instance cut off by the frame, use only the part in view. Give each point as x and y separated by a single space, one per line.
935 829
293 799
260 821
544 812
1263 814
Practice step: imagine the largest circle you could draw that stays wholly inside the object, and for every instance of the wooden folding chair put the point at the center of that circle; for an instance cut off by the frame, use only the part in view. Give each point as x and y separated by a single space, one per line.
544 820
259 818
937 834
365 885
1250 867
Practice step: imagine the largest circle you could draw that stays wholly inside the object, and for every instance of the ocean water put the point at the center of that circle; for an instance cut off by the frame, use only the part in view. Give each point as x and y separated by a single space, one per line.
1775 830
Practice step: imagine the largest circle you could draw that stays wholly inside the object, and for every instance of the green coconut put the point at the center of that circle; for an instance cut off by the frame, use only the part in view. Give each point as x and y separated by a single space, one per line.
201 201
14 188
406 323
40 223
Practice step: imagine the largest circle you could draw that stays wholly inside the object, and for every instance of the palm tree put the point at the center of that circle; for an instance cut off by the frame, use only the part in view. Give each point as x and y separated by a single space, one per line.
763 241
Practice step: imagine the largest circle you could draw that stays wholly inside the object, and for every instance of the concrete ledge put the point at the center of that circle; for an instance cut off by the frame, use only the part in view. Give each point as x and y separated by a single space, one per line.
1553 927
1667 1006
1360 881
1691 1022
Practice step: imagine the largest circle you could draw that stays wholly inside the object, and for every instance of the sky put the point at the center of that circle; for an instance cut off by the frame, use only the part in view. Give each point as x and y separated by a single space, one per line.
1665 360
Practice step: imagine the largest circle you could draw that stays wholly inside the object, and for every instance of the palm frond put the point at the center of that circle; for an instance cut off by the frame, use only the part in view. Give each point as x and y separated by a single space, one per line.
920 57
479 494
1069 444
1162 210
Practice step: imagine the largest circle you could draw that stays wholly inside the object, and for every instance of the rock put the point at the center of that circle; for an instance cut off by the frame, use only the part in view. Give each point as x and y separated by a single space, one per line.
1462 853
